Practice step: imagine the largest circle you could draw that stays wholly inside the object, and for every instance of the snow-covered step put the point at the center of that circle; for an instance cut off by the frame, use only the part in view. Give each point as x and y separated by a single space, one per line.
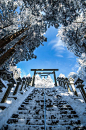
12 105
44 109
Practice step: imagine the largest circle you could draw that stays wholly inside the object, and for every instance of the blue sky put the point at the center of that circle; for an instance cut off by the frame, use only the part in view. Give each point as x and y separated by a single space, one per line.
52 55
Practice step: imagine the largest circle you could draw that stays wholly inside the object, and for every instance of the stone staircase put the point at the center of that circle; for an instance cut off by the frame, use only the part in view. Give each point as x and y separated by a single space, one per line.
44 109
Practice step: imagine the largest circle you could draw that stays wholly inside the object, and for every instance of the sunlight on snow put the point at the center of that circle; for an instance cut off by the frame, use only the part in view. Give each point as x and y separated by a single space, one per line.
9 101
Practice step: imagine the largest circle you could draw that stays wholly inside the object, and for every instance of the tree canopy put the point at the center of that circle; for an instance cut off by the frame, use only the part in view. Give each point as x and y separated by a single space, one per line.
23 23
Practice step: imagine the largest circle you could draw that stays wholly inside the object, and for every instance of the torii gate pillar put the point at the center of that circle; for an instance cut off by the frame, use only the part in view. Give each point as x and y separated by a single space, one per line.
33 78
55 78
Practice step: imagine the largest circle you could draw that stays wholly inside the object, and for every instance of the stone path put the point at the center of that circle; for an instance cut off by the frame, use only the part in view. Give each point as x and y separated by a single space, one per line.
44 109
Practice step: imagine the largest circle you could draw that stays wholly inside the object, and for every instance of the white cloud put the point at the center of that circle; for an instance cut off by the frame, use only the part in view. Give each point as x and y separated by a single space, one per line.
57 44
70 56
59 55
76 66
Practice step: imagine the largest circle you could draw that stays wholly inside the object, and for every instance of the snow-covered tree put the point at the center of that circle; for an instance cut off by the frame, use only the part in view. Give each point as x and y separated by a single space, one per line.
73 35
81 72
73 75
16 71
62 75
24 22
49 82
19 42
43 83
29 75
38 81
82 69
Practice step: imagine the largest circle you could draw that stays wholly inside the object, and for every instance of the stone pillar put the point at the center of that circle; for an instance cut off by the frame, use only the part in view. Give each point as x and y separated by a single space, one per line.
33 78
16 88
10 85
25 85
63 82
71 80
22 85
29 81
80 86
64 85
1 85
58 81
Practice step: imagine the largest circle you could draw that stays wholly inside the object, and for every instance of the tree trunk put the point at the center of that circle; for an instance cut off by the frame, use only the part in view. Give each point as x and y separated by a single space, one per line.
4 41
10 52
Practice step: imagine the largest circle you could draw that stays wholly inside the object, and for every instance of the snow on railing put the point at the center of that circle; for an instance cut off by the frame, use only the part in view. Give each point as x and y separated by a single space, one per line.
67 83
12 87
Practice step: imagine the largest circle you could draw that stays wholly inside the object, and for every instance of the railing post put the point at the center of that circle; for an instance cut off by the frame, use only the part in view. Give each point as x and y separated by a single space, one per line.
21 85
1 85
67 82
63 82
29 81
16 88
25 84
58 81
71 80
10 85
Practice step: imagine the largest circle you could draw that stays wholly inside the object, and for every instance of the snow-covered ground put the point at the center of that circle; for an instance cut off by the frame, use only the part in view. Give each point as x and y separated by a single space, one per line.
77 103
5 82
12 105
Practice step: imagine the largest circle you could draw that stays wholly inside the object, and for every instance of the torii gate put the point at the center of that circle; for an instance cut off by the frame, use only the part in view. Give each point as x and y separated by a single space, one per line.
52 72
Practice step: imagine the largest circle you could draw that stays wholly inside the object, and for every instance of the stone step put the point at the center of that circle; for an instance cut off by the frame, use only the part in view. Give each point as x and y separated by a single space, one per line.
42 127
41 110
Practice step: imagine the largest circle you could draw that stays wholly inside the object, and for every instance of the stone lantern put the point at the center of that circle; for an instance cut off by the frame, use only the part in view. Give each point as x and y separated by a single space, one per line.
80 86
5 75
10 85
